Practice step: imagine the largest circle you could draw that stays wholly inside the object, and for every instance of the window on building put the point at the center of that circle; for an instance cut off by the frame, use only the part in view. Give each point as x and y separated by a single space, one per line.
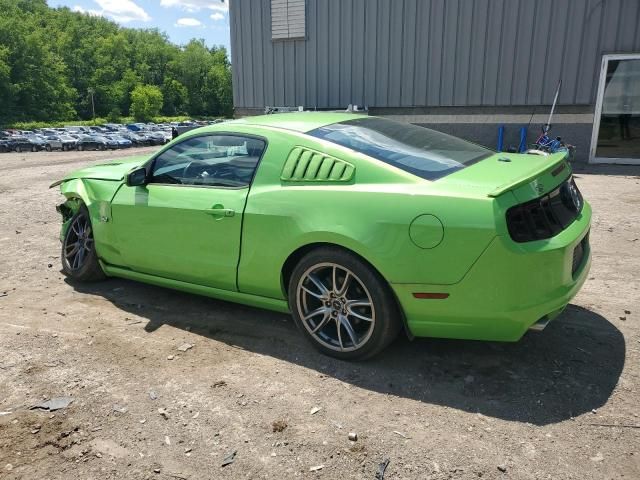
287 19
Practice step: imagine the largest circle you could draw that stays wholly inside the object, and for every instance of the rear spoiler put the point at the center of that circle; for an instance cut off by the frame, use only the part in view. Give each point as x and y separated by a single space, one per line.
555 162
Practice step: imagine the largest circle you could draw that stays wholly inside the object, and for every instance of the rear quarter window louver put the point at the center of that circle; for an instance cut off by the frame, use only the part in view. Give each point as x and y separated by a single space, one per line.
306 165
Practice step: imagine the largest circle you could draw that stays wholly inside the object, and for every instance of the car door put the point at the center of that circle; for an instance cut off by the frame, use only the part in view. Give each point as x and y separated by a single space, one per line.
185 223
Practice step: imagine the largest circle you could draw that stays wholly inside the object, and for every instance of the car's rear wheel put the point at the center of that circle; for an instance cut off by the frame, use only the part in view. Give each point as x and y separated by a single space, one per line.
80 147
48 148
18 149
342 305
79 258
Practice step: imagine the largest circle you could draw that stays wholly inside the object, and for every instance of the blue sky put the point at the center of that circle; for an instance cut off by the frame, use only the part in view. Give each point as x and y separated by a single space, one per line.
182 20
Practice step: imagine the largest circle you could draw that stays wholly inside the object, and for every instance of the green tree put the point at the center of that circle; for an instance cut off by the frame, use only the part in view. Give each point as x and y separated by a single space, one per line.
146 102
51 57
175 97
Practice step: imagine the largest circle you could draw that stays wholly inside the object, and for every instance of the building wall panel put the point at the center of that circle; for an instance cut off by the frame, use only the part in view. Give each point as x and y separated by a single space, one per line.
429 53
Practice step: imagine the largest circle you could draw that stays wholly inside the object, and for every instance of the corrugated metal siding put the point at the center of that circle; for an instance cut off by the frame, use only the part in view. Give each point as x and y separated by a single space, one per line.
406 53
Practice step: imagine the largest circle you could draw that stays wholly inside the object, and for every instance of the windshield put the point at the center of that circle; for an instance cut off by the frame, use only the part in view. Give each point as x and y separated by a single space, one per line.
421 151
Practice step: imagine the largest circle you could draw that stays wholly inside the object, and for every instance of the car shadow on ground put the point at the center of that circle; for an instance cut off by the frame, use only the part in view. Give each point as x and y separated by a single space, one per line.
568 369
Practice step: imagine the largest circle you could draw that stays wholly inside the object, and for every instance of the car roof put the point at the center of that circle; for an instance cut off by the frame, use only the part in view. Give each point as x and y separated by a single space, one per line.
297 121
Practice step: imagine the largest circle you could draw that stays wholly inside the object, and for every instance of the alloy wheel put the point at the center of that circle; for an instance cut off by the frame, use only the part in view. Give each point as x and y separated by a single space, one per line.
78 242
335 307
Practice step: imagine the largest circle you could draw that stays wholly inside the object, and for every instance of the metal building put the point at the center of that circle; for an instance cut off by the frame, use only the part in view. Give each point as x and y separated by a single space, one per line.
460 66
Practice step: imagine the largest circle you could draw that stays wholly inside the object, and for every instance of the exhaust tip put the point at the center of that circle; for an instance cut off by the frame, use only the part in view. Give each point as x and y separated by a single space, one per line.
540 324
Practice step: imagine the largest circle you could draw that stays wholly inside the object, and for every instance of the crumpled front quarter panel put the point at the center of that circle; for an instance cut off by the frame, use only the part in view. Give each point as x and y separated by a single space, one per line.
97 196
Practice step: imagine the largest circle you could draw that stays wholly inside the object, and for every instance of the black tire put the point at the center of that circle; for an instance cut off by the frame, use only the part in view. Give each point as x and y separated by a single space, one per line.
87 268
34 149
80 147
18 149
333 339
48 148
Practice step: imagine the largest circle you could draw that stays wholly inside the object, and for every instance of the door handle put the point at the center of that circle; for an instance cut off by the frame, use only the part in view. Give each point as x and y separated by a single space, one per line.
220 211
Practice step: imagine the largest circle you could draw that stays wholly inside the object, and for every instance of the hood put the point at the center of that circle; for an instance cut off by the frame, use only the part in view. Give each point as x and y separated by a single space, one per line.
113 170
504 172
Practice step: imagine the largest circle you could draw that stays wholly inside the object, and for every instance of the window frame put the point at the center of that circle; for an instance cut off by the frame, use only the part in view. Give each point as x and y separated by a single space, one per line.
151 162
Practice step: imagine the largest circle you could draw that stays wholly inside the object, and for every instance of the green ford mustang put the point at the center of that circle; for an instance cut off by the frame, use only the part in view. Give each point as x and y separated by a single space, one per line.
359 226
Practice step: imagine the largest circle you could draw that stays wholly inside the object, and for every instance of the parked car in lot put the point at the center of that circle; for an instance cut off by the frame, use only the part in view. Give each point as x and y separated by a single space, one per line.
121 141
27 144
59 142
156 138
137 139
359 226
5 146
95 142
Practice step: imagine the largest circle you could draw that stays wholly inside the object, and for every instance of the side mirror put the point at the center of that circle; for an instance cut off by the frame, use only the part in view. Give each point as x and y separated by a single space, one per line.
137 177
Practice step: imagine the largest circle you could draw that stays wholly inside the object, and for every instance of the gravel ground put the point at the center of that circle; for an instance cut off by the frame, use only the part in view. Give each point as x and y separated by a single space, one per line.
560 404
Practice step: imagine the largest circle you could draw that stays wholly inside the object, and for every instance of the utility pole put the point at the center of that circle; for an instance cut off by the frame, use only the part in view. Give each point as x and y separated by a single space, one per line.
91 91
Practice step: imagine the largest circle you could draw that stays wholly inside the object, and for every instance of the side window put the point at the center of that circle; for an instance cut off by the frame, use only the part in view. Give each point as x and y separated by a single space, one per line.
210 160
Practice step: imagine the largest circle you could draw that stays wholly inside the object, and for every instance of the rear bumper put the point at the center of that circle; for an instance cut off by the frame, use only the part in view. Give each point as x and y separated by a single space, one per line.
510 288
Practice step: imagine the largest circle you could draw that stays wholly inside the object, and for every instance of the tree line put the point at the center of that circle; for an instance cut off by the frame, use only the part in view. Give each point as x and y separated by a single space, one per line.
56 64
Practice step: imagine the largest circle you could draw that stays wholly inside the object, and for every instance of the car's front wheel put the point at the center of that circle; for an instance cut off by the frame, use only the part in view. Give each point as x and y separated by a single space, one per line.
342 305
79 258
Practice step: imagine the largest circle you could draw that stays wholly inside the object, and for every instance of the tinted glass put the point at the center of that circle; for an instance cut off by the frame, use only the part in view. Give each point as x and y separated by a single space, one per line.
211 160
423 152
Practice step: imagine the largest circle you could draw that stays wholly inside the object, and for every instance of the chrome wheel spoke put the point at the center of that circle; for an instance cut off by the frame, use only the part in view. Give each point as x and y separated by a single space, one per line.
344 321
312 293
357 303
361 317
317 312
323 323
74 249
338 325
345 285
324 291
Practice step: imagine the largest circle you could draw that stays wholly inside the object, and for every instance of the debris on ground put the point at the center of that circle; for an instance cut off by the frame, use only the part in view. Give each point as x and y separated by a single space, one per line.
353 436
119 409
185 346
502 468
54 404
382 467
167 440
153 395
229 459
316 468
279 425
163 413
314 410
598 457
219 383
401 434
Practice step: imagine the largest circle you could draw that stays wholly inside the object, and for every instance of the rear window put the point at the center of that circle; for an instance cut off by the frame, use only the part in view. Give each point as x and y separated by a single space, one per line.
420 151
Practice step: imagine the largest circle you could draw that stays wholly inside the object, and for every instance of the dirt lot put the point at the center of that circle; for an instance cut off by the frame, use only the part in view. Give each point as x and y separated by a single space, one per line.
561 404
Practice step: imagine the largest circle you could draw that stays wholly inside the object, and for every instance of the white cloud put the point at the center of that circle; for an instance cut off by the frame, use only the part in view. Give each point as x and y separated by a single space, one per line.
123 11
188 22
217 16
195 5
79 9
